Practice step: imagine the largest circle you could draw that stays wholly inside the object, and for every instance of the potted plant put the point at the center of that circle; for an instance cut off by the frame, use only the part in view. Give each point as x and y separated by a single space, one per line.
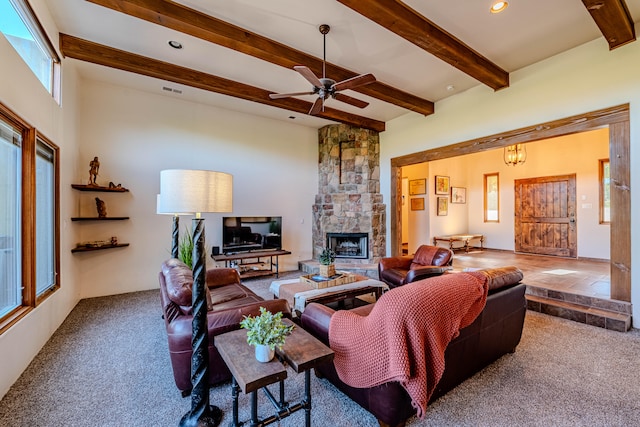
326 258
185 249
266 331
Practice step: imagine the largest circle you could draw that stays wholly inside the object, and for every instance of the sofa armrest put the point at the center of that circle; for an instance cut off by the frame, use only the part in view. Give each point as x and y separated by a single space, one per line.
396 262
222 276
420 273
316 319
219 322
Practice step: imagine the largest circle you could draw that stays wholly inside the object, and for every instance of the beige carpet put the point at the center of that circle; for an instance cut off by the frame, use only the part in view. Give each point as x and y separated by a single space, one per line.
108 365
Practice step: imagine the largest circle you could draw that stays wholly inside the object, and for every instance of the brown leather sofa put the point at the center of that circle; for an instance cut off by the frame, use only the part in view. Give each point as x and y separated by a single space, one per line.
227 302
495 332
428 261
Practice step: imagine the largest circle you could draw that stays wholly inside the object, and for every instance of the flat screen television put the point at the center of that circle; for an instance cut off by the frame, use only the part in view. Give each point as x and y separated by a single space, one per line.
251 233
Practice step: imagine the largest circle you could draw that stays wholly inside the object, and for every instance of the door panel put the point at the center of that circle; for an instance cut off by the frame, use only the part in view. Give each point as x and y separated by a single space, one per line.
545 216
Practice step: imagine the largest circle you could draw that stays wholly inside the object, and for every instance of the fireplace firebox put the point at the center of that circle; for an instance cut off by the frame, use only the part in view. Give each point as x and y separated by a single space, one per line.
349 245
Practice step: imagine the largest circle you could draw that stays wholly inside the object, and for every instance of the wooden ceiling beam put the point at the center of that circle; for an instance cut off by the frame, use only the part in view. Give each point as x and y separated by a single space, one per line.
613 19
84 50
197 24
415 28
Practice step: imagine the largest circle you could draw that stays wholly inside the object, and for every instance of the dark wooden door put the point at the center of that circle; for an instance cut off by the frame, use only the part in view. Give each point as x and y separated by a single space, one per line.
545 215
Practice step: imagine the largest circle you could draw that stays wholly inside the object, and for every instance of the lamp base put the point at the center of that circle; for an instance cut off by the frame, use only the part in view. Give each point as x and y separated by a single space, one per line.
210 418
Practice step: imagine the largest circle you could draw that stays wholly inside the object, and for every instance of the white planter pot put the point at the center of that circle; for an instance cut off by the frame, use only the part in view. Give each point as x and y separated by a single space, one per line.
264 353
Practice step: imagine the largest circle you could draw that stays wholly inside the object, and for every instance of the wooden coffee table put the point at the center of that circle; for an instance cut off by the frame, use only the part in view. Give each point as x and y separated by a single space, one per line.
300 294
301 352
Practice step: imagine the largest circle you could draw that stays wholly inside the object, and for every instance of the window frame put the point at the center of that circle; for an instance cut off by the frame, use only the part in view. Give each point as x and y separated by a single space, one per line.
602 190
29 299
485 210
31 21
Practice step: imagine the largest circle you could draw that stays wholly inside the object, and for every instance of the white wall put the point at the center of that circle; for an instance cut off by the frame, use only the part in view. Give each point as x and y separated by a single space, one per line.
21 91
584 79
137 134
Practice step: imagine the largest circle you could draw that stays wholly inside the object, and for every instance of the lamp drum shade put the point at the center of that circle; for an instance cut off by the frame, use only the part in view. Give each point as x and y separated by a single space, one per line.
159 208
195 191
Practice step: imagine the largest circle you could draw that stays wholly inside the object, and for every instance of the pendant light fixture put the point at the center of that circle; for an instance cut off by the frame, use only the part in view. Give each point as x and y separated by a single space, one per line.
515 154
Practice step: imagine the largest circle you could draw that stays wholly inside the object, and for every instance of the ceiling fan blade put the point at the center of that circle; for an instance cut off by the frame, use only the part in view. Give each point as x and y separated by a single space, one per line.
287 95
362 79
308 74
350 100
317 106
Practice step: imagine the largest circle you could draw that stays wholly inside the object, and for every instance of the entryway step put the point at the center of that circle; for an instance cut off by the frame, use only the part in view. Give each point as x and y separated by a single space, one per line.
593 316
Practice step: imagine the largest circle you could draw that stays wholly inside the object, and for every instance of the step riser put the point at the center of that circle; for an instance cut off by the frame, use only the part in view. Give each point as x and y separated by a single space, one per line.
584 300
615 321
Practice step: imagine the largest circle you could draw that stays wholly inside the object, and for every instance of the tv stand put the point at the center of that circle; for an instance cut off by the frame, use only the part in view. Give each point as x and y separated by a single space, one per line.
254 255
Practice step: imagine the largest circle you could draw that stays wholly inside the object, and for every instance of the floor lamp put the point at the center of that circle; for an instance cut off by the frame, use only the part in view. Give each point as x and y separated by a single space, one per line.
198 191
175 231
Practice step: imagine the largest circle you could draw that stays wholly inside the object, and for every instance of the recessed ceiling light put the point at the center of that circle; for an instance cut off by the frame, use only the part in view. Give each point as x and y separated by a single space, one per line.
451 88
499 6
175 44
292 117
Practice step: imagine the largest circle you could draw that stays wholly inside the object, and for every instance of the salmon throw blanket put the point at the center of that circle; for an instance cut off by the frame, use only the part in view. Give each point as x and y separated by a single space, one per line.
405 335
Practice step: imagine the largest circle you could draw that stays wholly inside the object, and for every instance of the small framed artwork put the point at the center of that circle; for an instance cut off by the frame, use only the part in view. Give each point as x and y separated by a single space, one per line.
417 186
417 204
442 184
443 206
458 195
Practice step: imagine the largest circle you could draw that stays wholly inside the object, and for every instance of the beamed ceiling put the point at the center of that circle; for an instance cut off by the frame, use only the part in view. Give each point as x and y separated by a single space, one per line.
235 53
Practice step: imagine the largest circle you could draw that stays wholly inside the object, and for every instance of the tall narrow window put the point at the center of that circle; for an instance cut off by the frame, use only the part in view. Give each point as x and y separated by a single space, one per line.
22 29
45 217
29 218
491 198
605 191
10 214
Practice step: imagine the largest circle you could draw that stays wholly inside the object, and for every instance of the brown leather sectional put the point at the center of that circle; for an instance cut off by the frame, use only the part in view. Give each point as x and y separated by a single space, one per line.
495 332
227 302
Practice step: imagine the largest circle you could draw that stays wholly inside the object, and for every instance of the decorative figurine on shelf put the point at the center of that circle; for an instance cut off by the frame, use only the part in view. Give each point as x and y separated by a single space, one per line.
94 165
102 208
114 240
112 185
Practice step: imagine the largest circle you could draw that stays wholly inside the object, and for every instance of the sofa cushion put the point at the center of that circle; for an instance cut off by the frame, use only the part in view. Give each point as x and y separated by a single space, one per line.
179 280
424 255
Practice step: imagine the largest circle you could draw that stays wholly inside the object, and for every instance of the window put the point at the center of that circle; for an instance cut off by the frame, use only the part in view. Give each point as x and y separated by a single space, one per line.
45 217
29 231
491 198
605 191
22 29
10 260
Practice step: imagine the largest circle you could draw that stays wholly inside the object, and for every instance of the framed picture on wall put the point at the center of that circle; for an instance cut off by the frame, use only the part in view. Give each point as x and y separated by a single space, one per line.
458 195
443 206
442 184
417 204
417 186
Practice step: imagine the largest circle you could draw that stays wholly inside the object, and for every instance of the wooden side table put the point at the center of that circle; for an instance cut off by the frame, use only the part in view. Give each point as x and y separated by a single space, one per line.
301 352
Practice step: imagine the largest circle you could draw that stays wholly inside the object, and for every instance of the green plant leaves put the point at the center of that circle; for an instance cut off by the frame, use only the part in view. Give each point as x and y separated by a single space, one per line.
267 329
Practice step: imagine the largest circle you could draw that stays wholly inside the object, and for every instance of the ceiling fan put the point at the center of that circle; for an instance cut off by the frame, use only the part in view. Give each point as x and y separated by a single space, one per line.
325 87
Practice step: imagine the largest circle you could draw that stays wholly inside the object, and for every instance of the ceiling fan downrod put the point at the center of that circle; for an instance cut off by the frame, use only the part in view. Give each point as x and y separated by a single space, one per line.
324 30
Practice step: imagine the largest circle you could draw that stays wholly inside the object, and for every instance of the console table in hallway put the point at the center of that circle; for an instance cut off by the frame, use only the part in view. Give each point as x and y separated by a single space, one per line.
256 254
464 238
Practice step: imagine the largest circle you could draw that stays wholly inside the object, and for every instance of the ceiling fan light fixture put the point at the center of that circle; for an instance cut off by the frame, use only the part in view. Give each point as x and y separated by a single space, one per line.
499 6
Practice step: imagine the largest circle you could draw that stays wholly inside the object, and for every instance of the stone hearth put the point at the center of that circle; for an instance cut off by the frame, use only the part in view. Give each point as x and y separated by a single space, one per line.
349 198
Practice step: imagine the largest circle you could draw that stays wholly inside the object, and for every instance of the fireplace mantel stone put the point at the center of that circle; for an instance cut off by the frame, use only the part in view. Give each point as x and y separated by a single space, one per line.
349 198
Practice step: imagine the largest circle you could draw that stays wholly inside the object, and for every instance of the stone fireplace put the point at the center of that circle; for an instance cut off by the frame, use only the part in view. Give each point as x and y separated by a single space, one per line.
349 245
348 209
